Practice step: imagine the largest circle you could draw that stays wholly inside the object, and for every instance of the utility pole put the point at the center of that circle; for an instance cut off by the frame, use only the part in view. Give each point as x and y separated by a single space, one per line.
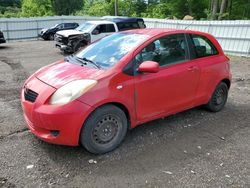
116 7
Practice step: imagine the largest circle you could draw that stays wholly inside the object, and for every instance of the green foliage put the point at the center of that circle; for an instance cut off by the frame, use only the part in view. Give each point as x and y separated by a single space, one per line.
10 3
161 10
10 8
66 7
235 9
36 8
99 8
240 10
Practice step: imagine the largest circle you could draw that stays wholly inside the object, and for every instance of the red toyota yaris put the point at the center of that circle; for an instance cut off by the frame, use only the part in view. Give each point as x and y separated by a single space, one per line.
123 80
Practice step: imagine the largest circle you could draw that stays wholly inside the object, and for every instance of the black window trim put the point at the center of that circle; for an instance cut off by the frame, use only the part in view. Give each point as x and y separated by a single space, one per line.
192 46
131 65
179 62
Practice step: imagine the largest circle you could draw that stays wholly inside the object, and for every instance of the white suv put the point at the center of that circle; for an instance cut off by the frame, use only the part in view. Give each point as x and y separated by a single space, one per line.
91 31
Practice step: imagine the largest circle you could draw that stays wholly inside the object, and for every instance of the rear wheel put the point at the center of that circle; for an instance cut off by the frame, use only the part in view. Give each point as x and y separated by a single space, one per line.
219 98
104 130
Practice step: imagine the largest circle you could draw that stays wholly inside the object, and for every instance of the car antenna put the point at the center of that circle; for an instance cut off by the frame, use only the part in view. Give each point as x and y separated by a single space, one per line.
189 24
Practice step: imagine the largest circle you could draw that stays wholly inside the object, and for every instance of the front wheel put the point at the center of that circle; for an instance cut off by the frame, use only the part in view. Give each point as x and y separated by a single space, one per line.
218 99
78 46
104 130
51 36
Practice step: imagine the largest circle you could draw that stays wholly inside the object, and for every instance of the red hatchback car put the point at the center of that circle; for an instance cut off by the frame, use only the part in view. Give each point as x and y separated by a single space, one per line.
123 80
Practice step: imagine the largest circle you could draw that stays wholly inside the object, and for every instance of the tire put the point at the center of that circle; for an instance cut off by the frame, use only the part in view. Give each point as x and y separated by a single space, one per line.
218 99
78 46
104 129
51 37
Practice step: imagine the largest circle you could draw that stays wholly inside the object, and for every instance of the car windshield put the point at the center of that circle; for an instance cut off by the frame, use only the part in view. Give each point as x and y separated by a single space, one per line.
111 49
54 26
85 27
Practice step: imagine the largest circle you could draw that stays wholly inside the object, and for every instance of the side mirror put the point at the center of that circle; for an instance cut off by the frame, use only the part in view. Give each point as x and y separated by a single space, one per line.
95 32
149 67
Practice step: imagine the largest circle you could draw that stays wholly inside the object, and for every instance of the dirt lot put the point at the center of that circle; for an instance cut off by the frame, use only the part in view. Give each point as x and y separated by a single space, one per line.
195 148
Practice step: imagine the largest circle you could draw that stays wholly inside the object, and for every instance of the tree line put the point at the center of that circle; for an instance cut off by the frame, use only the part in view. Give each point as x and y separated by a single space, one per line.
170 9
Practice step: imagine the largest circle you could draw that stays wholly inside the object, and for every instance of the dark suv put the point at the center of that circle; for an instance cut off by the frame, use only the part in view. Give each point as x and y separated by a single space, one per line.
2 39
48 34
126 23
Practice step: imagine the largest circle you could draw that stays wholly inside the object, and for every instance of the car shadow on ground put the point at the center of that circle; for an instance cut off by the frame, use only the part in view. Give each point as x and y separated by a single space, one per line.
177 137
3 47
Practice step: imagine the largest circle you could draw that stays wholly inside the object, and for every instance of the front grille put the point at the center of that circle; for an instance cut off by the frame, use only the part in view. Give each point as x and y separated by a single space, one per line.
30 95
61 39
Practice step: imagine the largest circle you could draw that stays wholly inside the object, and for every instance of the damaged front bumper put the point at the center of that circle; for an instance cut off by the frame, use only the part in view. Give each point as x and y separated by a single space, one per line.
68 44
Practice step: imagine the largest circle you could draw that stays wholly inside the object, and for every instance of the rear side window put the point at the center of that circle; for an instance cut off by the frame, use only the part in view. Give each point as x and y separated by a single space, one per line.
127 26
203 46
68 25
105 28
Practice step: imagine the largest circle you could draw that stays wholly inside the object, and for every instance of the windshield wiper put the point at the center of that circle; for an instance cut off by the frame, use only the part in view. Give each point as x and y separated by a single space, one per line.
83 62
90 61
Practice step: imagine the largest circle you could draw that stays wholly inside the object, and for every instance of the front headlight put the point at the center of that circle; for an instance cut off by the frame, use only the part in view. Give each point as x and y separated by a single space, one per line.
43 30
71 91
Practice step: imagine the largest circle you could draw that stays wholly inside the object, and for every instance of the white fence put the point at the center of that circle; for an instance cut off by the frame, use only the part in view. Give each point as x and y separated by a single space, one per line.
234 36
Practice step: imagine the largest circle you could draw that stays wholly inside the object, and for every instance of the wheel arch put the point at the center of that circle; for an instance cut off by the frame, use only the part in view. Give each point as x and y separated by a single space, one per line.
121 106
226 81
117 104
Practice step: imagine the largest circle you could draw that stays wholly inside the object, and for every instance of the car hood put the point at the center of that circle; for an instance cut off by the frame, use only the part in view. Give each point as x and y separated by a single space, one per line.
44 30
61 73
67 33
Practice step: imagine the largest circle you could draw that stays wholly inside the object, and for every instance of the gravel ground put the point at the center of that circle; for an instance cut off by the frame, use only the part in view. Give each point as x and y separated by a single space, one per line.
194 148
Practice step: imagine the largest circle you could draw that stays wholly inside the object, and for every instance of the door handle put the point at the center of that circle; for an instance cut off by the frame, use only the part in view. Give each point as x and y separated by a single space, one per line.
192 68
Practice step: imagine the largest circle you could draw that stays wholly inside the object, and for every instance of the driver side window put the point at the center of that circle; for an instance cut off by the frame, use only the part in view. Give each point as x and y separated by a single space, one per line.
100 29
60 26
96 31
166 50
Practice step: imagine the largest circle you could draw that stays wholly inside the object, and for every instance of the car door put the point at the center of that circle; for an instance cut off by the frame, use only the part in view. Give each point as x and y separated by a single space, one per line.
173 88
210 63
110 28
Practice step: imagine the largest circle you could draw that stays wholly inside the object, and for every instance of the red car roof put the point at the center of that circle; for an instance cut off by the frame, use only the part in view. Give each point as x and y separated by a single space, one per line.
156 31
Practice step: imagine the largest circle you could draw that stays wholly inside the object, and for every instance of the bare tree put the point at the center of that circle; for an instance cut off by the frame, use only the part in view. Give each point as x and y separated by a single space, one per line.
215 9
223 8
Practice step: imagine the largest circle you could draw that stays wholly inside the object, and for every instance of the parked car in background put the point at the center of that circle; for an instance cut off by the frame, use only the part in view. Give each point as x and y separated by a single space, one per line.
72 40
2 39
123 80
48 34
126 23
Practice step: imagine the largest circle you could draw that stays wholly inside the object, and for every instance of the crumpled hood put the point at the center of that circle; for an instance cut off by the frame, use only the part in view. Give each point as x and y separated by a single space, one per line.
67 33
61 73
